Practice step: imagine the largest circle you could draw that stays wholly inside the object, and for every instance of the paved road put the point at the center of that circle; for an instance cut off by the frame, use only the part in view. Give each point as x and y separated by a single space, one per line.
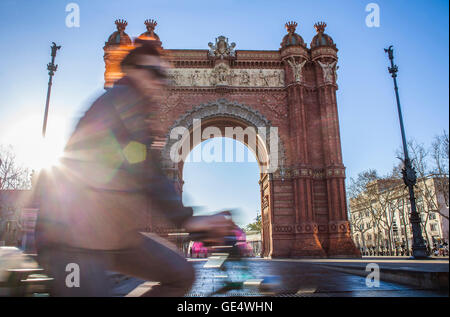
296 278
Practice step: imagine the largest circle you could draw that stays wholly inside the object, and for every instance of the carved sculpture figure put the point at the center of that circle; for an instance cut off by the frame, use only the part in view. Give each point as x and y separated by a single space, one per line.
204 78
221 49
328 71
176 77
232 77
213 77
274 78
245 78
297 69
222 74
195 77
281 78
263 79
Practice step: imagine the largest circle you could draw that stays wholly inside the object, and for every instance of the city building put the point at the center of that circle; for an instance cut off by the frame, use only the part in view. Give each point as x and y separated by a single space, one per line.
379 217
15 217
254 240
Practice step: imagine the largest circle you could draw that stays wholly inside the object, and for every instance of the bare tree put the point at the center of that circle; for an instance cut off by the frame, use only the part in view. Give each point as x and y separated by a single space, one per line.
373 196
382 193
12 176
358 225
437 157
426 195
359 185
440 155
381 198
401 202
361 200
389 190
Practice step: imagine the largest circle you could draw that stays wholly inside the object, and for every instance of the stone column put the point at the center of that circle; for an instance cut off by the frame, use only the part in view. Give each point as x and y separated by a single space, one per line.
339 242
305 229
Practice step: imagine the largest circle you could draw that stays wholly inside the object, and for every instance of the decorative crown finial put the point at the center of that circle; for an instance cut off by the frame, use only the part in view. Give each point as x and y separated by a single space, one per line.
320 27
291 26
121 24
150 24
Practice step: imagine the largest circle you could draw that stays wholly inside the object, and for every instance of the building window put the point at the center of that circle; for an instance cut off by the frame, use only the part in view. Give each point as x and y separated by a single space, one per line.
433 227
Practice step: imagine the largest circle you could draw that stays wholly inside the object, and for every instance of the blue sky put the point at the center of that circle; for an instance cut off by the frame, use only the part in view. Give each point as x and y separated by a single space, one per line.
366 102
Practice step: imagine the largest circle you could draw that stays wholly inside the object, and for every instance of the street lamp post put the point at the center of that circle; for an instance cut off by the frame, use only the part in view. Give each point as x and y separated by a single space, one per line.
51 67
409 174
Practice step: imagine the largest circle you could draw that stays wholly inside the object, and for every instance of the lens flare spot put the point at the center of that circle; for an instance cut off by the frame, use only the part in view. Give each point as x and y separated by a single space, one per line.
135 152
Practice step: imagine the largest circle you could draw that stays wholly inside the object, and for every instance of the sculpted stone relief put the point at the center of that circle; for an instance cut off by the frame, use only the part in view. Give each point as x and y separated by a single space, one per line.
328 71
297 69
222 49
223 75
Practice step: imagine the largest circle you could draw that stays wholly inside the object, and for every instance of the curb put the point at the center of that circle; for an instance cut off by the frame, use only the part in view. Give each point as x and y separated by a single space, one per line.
420 279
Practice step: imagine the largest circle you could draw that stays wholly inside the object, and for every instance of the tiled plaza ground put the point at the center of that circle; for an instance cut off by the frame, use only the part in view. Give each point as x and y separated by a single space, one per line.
302 278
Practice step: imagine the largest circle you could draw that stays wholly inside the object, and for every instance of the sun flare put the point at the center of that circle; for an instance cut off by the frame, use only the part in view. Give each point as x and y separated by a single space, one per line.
32 149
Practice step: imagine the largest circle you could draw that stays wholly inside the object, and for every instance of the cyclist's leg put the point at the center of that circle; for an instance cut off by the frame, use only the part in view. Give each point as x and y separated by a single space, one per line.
75 272
157 260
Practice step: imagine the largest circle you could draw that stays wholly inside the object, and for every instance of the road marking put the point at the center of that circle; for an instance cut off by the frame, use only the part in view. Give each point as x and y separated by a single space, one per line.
142 289
253 282
308 290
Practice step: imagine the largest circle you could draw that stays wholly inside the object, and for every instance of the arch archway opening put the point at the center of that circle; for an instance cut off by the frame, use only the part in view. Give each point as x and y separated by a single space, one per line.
244 150
210 186
216 185
255 138
239 123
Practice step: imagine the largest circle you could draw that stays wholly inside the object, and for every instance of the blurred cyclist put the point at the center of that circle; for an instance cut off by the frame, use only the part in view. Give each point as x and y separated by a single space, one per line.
108 184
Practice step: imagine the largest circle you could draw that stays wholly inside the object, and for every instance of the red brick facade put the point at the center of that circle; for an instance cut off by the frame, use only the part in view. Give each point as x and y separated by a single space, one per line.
303 203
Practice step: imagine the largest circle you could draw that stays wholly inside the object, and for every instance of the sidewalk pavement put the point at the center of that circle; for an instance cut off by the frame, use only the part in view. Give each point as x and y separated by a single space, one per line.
311 278
403 263
425 274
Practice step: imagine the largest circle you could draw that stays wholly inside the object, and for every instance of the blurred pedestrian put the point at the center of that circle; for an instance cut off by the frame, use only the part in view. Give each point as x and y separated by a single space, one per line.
108 184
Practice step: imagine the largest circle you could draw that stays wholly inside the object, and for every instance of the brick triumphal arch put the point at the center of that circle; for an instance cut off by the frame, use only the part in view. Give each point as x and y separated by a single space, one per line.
291 90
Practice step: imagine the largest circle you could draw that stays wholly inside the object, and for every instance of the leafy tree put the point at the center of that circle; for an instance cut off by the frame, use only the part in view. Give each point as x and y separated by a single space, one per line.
254 226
